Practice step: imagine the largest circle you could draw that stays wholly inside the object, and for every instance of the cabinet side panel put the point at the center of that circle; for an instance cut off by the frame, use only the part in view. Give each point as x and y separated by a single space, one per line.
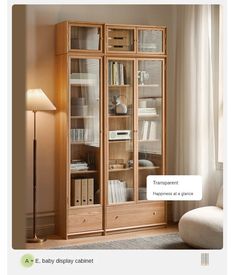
61 38
61 144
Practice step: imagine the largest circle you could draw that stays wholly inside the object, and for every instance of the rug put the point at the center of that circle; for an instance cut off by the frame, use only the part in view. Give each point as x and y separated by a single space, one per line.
164 241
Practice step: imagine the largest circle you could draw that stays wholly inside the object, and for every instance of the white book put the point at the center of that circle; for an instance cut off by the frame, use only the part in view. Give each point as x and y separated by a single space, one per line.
153 130
112 191
145 129
109 192
121 74
119 192
115 189
124 191
116 74
140 133
110 73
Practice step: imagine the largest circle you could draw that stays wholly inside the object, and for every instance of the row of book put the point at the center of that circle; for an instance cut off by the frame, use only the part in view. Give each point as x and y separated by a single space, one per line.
79 134
117 73
148 130
82 191
117 191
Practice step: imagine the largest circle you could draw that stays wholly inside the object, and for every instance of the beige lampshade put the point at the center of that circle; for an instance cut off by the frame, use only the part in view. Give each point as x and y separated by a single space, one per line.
36 100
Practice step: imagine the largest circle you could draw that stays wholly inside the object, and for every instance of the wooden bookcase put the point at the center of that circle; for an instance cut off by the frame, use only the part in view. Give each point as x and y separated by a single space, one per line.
111 108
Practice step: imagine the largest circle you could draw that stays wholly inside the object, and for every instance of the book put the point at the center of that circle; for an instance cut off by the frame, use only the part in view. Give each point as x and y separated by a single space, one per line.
153 130
145 130
90 191
84 191
76 192
123 189
109 193
118 191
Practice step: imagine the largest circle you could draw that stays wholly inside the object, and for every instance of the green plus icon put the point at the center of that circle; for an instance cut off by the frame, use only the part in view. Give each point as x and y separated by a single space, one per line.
27 260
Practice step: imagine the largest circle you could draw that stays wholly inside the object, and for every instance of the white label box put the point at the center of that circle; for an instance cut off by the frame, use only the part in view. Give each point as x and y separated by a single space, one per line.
174 188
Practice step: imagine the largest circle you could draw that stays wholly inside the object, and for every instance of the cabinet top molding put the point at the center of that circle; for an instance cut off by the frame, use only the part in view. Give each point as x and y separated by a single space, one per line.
86 23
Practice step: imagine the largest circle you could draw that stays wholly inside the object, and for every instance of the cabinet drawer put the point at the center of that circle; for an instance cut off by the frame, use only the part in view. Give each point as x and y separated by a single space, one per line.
84 220
137 215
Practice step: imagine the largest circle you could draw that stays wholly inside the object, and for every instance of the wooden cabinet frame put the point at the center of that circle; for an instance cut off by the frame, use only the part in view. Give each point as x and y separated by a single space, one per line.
102 218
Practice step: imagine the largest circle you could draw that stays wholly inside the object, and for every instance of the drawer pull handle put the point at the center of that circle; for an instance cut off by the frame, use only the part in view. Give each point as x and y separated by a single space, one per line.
84 220
155 213
116 217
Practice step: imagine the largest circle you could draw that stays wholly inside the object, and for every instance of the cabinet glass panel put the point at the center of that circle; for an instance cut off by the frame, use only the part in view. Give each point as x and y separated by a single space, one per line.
120 124
84 131
85 38
120 40
150 41
149 121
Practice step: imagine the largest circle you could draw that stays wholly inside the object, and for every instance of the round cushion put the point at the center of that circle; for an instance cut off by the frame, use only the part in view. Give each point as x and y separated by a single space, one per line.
145 163
203 227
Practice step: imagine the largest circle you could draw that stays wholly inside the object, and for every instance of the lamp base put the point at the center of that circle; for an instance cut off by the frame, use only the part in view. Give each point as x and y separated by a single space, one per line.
35 239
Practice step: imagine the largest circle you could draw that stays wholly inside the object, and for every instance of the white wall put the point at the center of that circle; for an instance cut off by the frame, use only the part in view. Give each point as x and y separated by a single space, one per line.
41 73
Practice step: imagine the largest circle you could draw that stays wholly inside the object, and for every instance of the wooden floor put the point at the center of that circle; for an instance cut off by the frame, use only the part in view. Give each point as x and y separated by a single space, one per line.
54 241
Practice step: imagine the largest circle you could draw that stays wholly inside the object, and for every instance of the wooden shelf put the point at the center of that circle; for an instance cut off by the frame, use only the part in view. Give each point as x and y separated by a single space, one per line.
119 116
82 171
120 141
85 206
150 97
121 169
150 140
80 142
148 167
81 83
149 85
120 86
148 116
81 117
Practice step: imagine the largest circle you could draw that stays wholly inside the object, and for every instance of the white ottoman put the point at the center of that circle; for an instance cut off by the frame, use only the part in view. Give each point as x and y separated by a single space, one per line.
203 227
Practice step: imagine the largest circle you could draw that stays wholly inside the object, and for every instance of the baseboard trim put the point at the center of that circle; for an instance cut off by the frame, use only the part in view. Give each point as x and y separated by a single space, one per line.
45 223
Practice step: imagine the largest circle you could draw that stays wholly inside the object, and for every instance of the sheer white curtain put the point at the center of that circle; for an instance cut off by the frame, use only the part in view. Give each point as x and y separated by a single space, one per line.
196 96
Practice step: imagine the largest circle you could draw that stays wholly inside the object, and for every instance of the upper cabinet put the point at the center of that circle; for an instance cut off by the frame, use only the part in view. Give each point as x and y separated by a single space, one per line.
120 39
85 37
79 37
151 41
113 39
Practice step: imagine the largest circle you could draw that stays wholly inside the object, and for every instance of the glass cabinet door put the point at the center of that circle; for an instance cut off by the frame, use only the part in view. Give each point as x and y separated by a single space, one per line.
85 131
150 41
149 121
85 37
120 40
120 131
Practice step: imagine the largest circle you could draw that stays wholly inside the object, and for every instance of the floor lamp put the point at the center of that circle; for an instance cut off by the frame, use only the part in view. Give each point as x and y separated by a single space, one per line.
36 100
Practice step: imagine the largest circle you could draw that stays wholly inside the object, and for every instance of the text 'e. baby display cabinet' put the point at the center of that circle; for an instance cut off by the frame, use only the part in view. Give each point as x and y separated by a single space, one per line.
110 126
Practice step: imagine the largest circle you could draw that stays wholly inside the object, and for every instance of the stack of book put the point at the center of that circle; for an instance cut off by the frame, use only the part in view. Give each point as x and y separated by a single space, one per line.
82 191
148 130
147 111
117 75
117 191
79 165
83 79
